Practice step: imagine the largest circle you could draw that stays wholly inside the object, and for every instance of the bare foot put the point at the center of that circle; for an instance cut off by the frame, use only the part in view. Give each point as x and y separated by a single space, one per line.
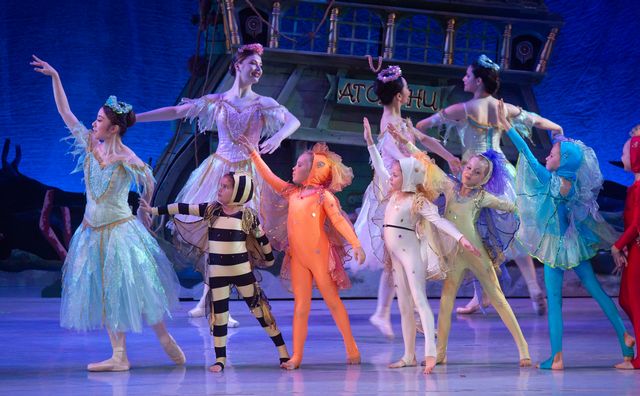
429 364
402 363
353 359
625 365
291 364
628 340
440 359
555 364
525 362
216 368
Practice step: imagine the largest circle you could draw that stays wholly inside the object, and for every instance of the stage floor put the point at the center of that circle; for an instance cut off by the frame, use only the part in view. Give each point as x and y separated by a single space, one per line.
38 357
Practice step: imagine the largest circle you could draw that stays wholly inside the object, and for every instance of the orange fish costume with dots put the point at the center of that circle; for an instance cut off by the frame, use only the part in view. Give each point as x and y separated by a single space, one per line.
312 240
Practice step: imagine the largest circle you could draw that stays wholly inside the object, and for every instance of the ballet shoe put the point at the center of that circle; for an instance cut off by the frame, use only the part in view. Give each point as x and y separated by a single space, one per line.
539 304
173 351
117 362
403 363
197 312
383 325
232 323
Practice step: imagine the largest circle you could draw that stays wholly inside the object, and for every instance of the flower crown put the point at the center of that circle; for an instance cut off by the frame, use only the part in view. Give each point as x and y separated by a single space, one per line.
255 47
485 61
391 73
118 107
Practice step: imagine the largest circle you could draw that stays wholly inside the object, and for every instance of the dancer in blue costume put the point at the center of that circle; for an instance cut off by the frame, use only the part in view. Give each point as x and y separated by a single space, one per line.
115 274
561 226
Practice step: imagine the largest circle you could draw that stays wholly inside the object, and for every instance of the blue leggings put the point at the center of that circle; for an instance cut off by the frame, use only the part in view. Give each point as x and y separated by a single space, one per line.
553 282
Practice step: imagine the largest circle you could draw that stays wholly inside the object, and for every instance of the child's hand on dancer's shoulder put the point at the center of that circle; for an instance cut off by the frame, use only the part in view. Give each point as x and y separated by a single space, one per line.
359 255
246 144
469 247
43 67
367 131
619 259
503 121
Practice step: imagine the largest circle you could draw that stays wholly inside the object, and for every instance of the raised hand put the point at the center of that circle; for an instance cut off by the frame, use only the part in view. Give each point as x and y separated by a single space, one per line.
469 247
367 131
43 67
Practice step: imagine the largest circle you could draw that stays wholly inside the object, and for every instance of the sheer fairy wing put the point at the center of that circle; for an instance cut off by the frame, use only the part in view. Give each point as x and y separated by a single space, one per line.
273 118
205 110
79 141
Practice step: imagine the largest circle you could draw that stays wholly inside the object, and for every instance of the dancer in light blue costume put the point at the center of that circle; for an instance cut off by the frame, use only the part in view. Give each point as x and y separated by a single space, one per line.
115 274
561 226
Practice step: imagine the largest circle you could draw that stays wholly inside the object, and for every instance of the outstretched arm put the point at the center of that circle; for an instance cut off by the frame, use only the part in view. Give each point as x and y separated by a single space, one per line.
62 103
454 112
181 208
541 172
263 169
537 121
165 113
434 145
489 200
430 166
430 213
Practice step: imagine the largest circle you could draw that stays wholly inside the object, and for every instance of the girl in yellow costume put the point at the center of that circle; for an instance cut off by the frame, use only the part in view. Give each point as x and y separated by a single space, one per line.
465 201
313 252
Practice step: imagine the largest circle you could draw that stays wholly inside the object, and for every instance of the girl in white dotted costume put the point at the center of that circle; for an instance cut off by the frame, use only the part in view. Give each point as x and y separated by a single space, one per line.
417 241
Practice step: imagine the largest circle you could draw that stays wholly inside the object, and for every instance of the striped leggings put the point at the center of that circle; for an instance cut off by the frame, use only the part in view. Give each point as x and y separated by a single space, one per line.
219 297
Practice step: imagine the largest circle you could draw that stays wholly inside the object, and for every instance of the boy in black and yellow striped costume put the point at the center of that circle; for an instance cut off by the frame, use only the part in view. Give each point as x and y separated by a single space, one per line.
235 239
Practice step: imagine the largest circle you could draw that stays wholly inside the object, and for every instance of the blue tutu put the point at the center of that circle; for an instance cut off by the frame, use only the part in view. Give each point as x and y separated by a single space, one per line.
115 274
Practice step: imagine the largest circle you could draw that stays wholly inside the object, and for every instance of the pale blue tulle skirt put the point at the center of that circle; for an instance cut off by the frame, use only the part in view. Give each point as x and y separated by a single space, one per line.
116 277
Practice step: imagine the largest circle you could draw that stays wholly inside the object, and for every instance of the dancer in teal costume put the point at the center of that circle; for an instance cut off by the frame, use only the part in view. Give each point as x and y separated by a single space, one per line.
115 274
562 228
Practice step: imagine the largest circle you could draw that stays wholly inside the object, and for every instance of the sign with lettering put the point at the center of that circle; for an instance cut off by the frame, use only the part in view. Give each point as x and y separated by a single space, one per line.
423 98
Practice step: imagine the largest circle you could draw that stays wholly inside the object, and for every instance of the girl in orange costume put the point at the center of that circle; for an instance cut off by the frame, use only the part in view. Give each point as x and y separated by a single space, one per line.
312 253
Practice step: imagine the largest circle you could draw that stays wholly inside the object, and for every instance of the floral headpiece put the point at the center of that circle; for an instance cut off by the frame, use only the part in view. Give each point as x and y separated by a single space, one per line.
118 107
391 73
254 47
485 61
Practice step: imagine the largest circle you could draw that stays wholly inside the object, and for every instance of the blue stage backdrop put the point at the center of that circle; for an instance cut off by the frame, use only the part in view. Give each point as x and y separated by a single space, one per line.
138 50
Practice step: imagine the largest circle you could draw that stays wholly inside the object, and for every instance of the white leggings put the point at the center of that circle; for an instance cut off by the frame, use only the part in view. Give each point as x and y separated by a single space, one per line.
409 278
